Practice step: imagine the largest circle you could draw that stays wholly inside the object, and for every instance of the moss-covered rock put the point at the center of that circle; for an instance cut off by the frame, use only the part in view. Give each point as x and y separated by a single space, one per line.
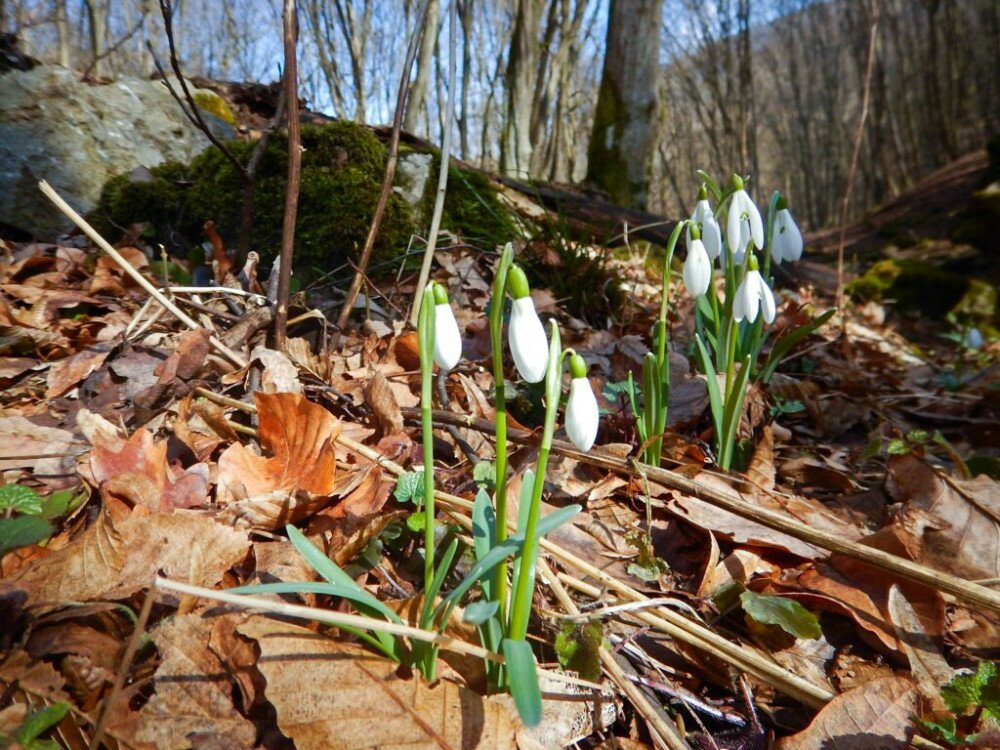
343 165
911 285
471 207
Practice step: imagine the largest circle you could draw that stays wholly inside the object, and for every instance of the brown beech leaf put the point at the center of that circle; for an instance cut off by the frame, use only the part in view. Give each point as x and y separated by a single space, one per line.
745 531
66 373
761 471
926 662
299 436
279 374
352 698
192 704
878 715
138 475
22 441
383 402
955 521
113 560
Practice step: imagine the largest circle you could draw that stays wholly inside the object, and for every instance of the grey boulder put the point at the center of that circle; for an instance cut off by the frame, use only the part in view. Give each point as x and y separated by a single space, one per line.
77 136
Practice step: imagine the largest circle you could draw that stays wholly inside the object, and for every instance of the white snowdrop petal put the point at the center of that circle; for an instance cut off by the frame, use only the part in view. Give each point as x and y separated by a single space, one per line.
582 415
527 340
766 301
739 302
697 269
733 221
711 235
447 338
792 245
756 224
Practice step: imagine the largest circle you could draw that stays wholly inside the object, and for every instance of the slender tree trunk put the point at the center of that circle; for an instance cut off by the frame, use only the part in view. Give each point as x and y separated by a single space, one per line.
97 15
425 61
522 67
465 10
622 142
62 30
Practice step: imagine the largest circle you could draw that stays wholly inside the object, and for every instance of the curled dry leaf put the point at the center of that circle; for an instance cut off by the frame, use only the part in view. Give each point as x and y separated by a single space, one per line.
139 476
192 697
878 715
299 435
926 662
745 531
66 373
383 403
956 522
279 375
113 560
22 441
323 711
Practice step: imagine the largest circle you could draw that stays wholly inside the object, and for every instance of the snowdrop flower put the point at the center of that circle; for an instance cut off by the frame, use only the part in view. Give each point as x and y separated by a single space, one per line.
786 244
526 332
582 415
974 339
742 208
447 339
752 295
697 265
704 219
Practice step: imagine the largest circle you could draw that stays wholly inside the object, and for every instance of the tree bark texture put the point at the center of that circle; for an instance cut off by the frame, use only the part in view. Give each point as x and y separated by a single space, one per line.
622 141
522 68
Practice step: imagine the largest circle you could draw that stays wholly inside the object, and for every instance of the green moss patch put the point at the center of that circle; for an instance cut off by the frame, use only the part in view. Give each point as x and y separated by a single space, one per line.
342 169
912 285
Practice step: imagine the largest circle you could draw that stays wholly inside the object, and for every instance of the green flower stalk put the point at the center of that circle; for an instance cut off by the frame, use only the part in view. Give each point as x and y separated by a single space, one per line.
500 405
525 583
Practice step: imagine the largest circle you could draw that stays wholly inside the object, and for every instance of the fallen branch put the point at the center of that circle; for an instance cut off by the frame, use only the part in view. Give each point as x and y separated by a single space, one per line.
735 503
137 277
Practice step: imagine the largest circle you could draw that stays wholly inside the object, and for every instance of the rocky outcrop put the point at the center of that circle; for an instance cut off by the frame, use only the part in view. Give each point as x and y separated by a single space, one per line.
77 135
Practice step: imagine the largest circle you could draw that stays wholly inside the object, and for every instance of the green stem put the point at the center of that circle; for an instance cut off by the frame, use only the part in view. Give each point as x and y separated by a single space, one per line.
725 439
525 584
500 401
425 333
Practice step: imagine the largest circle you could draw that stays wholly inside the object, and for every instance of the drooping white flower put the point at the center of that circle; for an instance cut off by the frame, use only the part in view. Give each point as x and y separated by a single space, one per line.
582 414
787 241
711 235
697 268
526 332
447 338
974 339
742 207
753 295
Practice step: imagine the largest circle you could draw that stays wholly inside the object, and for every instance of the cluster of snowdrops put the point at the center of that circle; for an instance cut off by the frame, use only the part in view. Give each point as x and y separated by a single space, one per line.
729 335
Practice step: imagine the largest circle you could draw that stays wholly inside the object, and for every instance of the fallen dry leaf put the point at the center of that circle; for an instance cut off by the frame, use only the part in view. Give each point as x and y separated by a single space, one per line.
322 711
878 715
299 435
383 403
139 476
113 560
279 374
927 664
23 442
66 373
955 521
192 704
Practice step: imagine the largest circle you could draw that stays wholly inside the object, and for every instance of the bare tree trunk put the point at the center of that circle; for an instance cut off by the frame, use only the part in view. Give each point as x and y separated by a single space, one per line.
622 142
62 30
425 60
97 15
465 10
522 66
355 32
